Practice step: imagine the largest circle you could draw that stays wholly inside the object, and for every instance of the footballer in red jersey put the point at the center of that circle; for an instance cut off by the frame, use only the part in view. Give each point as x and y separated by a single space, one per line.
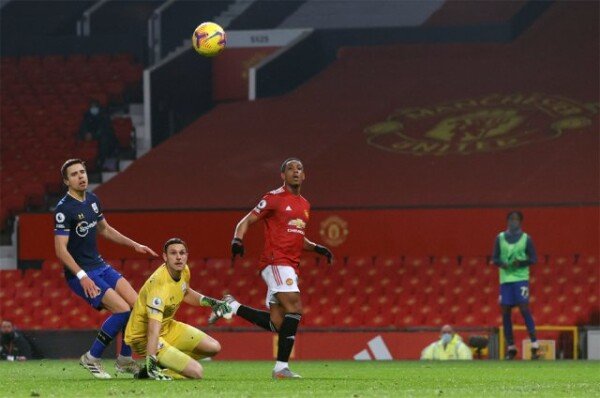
285 214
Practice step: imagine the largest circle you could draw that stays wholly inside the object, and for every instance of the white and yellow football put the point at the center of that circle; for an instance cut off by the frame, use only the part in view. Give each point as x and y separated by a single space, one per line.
209 39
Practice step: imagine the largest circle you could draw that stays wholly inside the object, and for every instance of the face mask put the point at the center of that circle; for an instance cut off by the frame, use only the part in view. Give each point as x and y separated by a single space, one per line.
94 110
446 337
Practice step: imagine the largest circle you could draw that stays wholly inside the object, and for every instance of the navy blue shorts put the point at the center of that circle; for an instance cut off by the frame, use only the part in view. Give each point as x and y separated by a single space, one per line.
514 293
105 277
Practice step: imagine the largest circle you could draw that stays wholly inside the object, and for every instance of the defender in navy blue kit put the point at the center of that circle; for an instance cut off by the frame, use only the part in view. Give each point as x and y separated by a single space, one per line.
78 220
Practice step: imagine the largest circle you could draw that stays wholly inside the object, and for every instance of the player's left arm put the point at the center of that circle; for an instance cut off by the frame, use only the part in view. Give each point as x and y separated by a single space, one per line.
194 298
113 235
319 249
531 254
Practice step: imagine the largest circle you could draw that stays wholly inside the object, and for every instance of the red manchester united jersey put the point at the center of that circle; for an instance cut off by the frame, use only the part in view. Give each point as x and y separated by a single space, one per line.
285 216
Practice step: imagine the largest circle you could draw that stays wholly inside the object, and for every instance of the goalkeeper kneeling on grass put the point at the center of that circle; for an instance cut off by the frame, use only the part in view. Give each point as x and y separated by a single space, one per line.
449 346
152 330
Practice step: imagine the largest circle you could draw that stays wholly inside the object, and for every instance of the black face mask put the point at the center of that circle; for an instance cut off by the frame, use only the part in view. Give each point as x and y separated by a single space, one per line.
7 338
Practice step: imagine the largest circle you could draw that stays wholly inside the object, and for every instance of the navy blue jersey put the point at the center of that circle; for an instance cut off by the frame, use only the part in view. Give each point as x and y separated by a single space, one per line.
79 220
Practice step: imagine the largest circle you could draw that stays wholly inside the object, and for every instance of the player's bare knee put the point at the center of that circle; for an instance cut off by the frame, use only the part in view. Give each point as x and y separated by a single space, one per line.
215 348
194 370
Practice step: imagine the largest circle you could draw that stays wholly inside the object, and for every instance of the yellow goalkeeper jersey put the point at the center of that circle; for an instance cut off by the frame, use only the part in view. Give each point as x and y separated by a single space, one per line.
159 299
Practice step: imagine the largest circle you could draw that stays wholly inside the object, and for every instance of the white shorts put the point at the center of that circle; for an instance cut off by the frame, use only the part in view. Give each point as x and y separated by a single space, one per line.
279 278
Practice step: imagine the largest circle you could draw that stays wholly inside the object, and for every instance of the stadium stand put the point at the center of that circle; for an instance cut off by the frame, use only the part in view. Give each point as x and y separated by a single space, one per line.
390 291
344 14
314 123
41 112
461 13
41 18
343 115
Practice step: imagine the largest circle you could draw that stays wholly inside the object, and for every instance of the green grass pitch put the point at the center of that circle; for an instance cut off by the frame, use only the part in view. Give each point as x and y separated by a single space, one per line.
53 378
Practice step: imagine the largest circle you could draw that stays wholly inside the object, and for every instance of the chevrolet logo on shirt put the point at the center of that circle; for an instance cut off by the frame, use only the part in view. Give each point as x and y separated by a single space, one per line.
298 223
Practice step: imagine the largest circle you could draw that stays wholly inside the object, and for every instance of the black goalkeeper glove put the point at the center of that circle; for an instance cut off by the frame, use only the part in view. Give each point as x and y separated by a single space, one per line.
237 247
153 371
323 251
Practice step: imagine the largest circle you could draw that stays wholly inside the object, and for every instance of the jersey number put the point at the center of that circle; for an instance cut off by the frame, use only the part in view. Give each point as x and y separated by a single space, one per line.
524 291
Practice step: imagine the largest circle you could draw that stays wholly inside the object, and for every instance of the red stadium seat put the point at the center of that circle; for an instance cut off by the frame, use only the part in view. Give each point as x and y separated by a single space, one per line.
218 264
388 262
413 262
53 322
135 265
9 277
446 261
473 261
408 320
357 263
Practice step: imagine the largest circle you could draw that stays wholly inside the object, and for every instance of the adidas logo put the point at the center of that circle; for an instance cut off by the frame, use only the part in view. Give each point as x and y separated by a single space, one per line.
288 208
376 349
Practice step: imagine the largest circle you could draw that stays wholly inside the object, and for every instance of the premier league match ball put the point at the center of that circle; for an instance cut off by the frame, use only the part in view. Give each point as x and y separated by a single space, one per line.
209 39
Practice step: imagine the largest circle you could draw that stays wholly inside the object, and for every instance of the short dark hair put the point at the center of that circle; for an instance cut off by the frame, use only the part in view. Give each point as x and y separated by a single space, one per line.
285 162
69 163
174 241
517 212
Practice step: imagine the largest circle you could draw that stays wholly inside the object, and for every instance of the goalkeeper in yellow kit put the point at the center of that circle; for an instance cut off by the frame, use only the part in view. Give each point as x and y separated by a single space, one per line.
152 331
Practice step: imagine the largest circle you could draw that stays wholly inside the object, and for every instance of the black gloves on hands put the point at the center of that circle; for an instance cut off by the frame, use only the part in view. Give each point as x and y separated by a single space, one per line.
237 247
323 251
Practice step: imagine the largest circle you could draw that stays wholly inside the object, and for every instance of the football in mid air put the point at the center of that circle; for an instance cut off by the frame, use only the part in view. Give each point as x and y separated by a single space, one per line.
209 39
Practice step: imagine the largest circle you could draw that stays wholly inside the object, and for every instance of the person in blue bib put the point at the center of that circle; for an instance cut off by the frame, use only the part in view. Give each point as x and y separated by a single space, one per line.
513 254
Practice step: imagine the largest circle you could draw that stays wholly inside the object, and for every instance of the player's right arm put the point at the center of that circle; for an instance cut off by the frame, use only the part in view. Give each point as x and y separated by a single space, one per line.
155 307
60 246
263 209
152 336
237 243
496 255
242 227
63 223
154 372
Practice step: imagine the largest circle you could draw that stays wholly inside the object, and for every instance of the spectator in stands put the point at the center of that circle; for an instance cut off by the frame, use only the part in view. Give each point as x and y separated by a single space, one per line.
96 126
13 345
449 346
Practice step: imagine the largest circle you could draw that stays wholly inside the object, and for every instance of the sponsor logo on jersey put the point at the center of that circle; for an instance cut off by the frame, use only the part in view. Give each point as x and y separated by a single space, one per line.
83 228
491 123
60 217
298 226
298 223
334 230
95 207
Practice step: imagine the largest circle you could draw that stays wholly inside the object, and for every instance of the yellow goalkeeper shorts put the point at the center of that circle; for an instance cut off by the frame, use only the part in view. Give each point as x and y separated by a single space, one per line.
176 347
